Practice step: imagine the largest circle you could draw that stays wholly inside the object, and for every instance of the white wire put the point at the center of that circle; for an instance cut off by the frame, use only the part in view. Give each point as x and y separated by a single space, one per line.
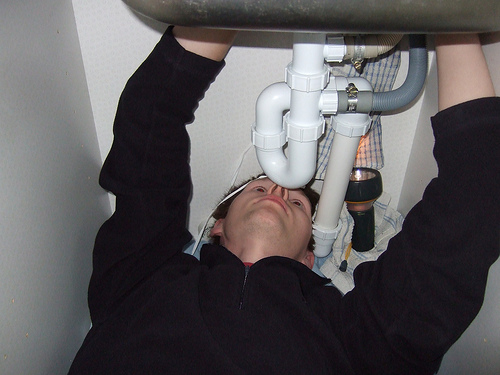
237 171
201 232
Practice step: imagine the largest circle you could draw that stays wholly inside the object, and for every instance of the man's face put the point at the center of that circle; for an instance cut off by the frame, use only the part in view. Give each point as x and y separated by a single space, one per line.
266 219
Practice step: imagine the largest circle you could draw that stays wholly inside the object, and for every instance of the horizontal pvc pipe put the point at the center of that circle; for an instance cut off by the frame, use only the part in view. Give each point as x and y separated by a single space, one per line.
339 16
371 45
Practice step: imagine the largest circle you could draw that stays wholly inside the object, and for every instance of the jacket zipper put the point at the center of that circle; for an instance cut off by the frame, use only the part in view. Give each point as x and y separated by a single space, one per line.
247 269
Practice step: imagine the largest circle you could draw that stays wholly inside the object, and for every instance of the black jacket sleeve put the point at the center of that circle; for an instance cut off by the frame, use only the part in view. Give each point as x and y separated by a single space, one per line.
148 171
411 305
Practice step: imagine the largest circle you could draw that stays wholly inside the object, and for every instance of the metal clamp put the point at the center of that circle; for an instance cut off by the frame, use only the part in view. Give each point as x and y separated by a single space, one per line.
359 54
352 97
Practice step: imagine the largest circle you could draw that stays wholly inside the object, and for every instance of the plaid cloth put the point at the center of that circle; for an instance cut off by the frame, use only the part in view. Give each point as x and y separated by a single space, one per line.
388 223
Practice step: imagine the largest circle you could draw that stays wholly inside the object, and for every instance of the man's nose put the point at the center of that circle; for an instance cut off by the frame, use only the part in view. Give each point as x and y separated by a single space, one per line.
279 190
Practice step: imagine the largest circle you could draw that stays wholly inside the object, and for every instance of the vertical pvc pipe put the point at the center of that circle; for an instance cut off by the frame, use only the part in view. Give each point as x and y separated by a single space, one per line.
349 129
308 56
308 60
271 103
340 163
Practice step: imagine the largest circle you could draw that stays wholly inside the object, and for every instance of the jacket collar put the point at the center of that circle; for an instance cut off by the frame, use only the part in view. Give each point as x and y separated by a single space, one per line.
214 255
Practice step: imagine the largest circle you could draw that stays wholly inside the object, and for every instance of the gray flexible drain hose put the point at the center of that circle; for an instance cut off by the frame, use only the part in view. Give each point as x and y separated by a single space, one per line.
415 79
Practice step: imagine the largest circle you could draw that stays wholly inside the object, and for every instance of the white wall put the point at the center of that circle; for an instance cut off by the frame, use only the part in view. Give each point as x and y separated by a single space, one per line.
50 205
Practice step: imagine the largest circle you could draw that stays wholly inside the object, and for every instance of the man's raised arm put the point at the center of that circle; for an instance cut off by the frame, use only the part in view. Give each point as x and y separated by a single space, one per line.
148 164
462 71
210 43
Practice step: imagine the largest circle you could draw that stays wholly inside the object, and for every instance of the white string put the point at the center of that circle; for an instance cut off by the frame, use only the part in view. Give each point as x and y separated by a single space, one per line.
201 232
237 171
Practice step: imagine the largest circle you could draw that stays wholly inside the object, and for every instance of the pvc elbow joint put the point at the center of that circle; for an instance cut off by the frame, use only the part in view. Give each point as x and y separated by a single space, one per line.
271 132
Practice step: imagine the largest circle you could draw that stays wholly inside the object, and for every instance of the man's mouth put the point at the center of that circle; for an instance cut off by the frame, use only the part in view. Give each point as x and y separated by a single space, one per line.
277 200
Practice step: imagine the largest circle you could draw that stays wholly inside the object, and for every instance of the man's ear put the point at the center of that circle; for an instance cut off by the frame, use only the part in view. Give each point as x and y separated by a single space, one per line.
217 229
308 259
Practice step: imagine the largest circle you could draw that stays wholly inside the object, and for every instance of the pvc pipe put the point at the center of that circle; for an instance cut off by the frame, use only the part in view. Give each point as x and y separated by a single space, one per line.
342 156
296 170
306 77
306 80
271 104
340 163
415 79
292 172
308 50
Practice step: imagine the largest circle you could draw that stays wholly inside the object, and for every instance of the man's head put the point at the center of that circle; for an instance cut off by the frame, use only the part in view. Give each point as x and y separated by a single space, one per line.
265 219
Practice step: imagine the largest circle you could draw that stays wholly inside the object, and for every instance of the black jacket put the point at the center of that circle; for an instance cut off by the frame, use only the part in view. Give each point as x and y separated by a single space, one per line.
156 310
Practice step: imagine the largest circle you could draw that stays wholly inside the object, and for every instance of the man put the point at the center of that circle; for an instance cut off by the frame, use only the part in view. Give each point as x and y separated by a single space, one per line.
252 304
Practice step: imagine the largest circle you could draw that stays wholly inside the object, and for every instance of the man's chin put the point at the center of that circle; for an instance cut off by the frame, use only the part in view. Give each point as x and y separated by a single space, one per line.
267 222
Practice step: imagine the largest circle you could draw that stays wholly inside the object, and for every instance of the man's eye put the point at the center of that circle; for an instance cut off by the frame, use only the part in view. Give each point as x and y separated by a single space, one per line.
297 203
260 189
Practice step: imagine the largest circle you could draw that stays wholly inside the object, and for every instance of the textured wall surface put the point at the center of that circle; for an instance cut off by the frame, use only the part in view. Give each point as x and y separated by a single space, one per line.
50 205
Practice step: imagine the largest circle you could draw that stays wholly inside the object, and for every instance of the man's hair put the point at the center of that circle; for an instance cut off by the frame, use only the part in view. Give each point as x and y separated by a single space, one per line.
222 209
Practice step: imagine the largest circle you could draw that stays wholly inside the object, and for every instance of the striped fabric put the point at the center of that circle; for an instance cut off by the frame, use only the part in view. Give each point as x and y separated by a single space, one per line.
388 222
